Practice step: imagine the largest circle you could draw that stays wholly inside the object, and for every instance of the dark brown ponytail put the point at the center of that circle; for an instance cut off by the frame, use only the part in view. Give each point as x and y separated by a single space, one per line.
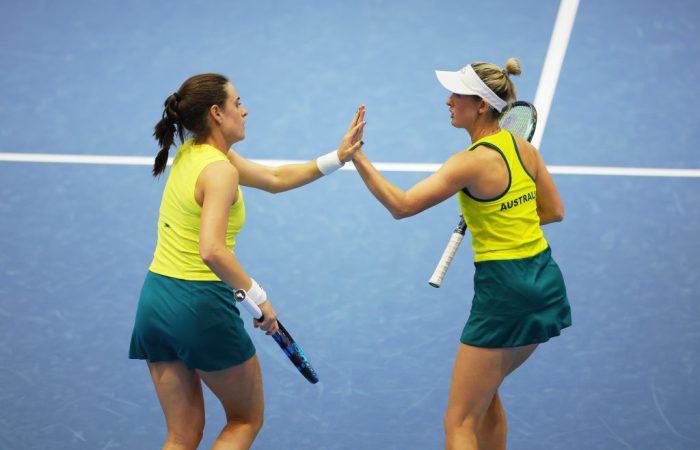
165 131
186 111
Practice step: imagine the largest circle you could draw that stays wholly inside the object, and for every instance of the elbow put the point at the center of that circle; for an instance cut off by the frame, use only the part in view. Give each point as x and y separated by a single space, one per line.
273 183
404 208
278 185
274 189
273 186
209 255
559 214
550 216
401 213
396 215
555 216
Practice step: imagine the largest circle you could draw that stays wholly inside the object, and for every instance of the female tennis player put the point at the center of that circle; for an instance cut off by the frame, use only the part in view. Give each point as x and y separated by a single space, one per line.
505 193
187 325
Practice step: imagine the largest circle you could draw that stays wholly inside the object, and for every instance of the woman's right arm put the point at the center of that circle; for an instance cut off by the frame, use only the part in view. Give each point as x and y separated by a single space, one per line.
294 175
550 207
456 173
217 188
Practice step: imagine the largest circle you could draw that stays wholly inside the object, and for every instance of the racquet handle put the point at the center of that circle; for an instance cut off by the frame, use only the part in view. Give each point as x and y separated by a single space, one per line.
448 254
250 306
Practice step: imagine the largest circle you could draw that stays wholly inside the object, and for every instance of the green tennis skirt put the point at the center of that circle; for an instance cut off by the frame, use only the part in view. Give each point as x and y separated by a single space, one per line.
196 322
517 302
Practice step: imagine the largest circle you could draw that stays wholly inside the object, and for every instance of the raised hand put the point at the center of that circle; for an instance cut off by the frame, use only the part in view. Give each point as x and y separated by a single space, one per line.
352 141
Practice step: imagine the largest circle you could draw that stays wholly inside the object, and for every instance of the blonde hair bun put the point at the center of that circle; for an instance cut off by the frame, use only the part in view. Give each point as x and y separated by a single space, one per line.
512 67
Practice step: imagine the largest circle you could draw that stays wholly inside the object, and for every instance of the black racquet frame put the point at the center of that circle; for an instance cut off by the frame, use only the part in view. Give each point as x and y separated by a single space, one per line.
282 337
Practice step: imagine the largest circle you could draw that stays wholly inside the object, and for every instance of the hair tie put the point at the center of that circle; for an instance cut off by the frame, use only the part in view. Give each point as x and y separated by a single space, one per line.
177 97
505 72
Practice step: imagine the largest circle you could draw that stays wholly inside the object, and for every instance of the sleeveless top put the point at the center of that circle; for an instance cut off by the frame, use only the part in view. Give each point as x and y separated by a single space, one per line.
507 226
177 250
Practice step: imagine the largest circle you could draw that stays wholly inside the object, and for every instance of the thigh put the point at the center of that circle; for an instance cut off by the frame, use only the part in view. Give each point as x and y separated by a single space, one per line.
180 394
239 389
477 374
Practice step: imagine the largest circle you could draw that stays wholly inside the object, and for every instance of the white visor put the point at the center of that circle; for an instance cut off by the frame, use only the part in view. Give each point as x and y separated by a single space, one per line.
467 82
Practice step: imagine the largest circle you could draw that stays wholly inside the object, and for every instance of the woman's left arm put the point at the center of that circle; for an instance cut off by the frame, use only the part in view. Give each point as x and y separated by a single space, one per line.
550 207
291 176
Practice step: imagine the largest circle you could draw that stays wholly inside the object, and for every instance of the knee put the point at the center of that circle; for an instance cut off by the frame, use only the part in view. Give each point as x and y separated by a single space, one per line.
253 422
188 439
495 426
460 432
454 422
256 423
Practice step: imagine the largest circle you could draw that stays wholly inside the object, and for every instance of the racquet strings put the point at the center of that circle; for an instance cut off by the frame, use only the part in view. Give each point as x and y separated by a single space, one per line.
519 121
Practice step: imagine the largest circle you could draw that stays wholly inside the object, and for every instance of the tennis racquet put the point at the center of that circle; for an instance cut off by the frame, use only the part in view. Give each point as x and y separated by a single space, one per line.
282 337
519 119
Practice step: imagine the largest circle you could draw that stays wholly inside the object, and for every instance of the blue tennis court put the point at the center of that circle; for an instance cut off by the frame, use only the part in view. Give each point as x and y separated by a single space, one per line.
77 233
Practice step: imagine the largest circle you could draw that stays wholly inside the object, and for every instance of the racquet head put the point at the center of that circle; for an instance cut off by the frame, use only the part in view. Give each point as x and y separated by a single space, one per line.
520 119
294 353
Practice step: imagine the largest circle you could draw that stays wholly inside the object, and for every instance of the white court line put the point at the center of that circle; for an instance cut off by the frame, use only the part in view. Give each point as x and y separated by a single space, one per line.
382 166
543 101
552 65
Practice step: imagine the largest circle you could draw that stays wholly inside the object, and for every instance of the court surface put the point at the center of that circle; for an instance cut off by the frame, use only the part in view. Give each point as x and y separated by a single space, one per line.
89 78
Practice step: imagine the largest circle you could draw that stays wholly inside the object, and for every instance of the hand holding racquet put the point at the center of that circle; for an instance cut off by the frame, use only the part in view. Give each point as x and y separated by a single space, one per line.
519 119
448 254
282 337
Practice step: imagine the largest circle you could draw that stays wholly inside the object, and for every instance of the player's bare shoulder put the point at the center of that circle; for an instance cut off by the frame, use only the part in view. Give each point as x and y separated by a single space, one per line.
223 170
528 155
465 159
484 158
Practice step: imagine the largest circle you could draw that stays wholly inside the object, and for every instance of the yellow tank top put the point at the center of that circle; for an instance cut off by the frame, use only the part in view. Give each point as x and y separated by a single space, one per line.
505 227
177 250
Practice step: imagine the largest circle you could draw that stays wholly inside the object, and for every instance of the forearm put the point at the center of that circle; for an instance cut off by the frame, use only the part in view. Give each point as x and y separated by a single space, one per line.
225 265
390 196
291 176
550 207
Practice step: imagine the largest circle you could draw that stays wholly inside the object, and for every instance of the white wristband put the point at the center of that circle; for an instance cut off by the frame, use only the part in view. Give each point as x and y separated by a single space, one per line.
329 162
256 293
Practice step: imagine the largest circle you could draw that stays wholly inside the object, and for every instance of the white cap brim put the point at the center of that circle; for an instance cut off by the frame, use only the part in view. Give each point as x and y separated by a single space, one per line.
451 81
467 82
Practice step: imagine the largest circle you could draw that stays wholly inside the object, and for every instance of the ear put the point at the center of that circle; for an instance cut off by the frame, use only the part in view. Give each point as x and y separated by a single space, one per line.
483 106
215 114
